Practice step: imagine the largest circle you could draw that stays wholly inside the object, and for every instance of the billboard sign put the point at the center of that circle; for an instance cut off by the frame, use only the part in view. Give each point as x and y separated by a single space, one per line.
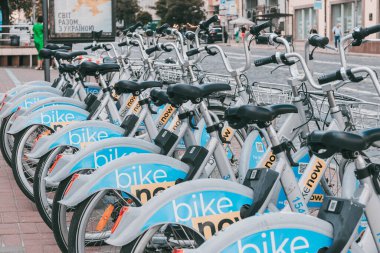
74 20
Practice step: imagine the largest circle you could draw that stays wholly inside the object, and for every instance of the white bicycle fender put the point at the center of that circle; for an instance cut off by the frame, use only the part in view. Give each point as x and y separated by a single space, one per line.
25 101
53 117
135 174
203 205
78 135
98 154
38 83
271 232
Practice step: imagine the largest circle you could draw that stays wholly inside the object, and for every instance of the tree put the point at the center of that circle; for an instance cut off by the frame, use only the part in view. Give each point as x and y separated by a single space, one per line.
7 7
180 12
144 17
161 8
126 10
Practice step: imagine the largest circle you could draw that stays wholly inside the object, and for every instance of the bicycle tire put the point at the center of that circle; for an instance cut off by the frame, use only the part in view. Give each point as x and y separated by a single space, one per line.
7 154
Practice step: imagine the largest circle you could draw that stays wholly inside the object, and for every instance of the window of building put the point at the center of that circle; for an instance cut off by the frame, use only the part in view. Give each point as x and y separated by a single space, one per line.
348 15
305 20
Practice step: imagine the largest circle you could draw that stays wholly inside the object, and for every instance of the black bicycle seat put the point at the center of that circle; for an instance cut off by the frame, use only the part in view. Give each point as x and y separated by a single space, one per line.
68 68
46 53
183 92
326 143
159 97
93 69
57 47
240 116
125 86
68 56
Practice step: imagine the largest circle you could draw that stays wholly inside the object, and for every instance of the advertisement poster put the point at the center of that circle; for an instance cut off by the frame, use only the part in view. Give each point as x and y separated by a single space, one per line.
74 20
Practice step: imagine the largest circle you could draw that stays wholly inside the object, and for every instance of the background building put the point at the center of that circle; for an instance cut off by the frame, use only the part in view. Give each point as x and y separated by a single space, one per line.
272 10
349 13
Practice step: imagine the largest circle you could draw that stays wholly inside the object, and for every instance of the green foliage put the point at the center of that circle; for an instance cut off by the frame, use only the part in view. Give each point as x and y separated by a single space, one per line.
127 10
8 6
144 17
180 12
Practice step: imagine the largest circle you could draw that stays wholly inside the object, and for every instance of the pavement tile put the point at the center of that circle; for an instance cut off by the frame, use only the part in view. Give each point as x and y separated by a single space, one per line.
10 240
51 249
8 229
28 228
34 249
43 228
9 217
29 216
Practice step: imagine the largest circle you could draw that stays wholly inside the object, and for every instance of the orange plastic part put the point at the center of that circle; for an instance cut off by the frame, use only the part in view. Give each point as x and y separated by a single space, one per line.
123 210
105 217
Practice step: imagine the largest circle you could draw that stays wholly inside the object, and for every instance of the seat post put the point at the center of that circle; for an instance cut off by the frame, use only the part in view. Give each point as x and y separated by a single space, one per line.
207 117
272 135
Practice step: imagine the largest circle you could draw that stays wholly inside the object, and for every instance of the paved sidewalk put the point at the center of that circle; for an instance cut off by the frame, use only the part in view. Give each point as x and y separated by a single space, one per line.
21 227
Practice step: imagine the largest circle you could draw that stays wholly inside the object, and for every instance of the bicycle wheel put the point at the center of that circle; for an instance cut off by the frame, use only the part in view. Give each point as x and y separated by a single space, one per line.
164 239
93 220
61 216
24 167
43 193
7 140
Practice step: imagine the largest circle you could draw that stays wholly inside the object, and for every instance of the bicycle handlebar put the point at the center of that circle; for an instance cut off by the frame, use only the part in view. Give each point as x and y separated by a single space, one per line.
360 33
152 50
255 30
205 24
327 78
88 47
122 44
162 28
262 39
97 47
318 41
134 43
134 27
265 61
158 47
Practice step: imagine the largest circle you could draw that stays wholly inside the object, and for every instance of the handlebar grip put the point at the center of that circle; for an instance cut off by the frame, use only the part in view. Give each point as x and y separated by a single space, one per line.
327 78
122 44
134 43
169 31
205 24
192 52
151 50
165 48
318 41
372 29
361 33
262 39
107 47
88 47
162 28
255 30
134 27
96 48
265 61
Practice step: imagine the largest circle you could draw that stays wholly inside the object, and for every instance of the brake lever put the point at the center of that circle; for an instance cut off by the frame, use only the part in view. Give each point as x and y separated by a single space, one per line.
210 52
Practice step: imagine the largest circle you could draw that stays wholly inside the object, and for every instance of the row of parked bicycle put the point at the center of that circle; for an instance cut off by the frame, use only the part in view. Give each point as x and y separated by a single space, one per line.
156 157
